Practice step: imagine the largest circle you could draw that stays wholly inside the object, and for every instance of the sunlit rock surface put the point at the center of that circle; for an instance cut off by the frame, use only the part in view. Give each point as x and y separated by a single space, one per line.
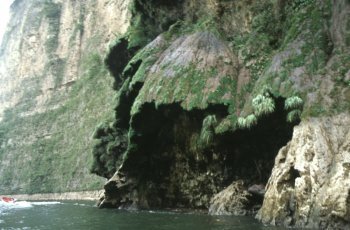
309 184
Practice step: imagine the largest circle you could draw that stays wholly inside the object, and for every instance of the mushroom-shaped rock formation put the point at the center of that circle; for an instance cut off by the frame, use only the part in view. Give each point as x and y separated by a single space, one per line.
195 70
175 94
191 80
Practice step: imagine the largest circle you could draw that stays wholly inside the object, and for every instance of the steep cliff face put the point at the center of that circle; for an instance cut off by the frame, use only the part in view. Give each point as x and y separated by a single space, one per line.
54 91
309 185
209 92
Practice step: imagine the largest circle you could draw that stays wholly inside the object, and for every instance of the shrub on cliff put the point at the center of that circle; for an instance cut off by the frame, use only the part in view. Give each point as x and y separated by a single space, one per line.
294 102
263 105
294 105
293 115
207 131
247 122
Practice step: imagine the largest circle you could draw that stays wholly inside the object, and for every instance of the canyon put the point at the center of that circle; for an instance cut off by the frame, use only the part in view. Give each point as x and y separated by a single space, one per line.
235 107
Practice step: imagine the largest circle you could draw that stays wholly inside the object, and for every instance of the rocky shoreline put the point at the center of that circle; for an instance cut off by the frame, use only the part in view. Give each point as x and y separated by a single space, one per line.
83 195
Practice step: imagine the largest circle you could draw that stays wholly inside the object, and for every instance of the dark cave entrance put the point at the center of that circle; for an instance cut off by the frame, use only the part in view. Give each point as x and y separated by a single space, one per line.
251 152
173 171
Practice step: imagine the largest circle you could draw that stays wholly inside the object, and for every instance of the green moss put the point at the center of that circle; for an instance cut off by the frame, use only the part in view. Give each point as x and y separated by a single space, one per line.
149 19
56 66
304 25
314 110
341 66
111 147
301 4
256 48
52 11
293 62
108 151
78 26
300 24
186 86
93 65
347 33
303 17
61 147
147 57
139 33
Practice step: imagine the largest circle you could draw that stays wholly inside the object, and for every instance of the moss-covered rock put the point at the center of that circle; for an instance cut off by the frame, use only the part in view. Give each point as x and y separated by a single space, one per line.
195 70
216 94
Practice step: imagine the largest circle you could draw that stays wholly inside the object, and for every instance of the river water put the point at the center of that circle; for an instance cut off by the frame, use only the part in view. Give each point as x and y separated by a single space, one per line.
85 215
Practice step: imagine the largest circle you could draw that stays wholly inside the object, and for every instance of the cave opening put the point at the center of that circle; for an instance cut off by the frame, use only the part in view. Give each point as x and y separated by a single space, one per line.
251 152
173 169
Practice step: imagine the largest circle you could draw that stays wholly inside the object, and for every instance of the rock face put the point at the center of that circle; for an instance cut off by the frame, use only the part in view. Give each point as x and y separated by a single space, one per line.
194 65
205 103
233 200
309 184
177 96
54 91
206 94
50 38
177 106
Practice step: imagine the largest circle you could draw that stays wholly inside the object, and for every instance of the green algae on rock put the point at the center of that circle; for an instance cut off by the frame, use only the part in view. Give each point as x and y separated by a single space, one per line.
195 70
212 99
177 85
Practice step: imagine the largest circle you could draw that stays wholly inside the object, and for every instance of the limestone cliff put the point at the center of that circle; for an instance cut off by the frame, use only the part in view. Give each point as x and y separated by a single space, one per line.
207 94
309 185
209 91
54 91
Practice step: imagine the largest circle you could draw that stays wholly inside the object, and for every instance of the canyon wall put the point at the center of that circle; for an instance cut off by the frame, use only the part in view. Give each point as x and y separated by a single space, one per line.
238 107
210 92
54 91
309 185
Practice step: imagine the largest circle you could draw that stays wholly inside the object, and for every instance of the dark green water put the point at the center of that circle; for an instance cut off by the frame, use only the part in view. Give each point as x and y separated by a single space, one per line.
84 215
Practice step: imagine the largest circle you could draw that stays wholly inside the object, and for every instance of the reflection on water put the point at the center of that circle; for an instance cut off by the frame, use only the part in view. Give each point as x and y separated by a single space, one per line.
84 215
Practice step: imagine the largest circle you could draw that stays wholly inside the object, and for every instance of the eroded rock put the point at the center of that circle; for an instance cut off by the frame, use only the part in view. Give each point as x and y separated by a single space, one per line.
195 70
233 200
257 189
310 182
